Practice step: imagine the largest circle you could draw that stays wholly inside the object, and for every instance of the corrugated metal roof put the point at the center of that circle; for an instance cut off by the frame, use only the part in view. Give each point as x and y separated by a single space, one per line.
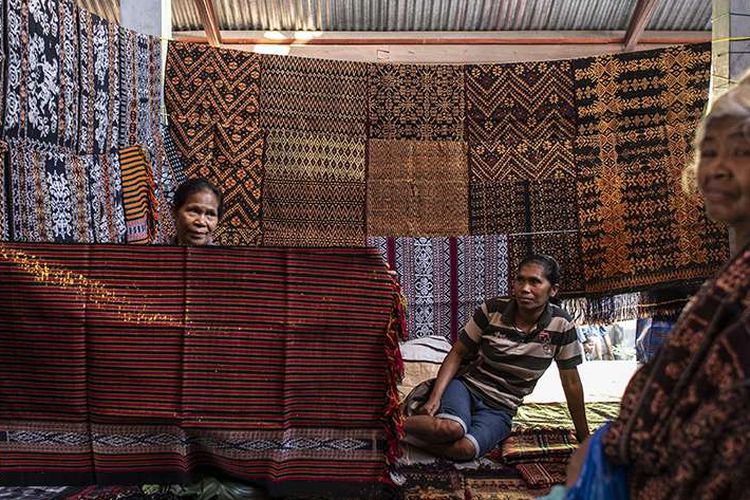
427 15
108 9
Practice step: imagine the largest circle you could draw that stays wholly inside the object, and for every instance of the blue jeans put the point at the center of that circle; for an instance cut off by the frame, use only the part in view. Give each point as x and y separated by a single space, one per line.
485 427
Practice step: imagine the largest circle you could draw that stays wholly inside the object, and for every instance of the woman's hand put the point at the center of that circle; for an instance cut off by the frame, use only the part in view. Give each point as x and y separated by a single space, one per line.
576 463
430 407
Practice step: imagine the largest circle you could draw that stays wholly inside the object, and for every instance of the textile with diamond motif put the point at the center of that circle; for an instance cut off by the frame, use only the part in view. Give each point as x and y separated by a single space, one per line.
314 190
637 115
313 95
203 364
416 102
417 188
445 279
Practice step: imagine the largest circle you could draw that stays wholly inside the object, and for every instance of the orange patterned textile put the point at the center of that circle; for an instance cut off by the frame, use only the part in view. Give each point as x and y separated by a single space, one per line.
417 188
637 114
212 99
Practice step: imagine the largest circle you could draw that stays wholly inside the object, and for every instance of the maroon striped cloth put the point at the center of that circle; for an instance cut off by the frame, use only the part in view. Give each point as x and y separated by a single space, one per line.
130 365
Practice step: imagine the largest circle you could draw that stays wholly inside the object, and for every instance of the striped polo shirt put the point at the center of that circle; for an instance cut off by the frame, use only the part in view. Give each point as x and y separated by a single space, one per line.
511 362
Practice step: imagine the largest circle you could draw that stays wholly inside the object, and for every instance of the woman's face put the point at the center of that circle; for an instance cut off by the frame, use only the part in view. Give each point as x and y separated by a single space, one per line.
724 173
531 288
197 218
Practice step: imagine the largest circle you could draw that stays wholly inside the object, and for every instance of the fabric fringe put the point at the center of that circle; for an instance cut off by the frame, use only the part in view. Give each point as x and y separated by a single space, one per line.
394 418
603 310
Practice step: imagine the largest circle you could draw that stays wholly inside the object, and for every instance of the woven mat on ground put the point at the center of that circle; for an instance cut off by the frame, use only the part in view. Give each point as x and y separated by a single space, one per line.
539 445
212 97
445 279
313 95
444 480
276 366
314 190
417 188
546 415
637 115
423 102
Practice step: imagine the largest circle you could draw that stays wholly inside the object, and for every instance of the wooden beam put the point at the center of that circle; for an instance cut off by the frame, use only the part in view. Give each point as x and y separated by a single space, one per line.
447 38
209 20
642 13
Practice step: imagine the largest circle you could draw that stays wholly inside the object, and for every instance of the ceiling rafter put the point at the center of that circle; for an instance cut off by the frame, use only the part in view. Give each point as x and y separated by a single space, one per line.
642 13
210 21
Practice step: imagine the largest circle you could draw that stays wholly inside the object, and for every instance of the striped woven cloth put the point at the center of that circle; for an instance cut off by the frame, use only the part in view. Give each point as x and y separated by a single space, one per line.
125 365
138 193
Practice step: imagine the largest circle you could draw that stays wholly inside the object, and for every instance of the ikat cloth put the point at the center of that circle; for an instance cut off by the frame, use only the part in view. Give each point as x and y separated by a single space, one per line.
637 115
417 188
313 95
520 130
212 100
314 190
419 102
684 423
273 366
42 87
60 196
444 280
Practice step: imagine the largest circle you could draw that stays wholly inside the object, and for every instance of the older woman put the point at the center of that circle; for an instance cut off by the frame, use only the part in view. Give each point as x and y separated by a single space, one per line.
684 425
197 208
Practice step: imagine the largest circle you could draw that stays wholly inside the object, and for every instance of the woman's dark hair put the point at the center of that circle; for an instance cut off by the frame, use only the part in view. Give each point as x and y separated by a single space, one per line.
192 186
546 262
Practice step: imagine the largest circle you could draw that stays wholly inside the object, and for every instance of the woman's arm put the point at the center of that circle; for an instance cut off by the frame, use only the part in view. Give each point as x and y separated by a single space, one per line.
573 390
448 370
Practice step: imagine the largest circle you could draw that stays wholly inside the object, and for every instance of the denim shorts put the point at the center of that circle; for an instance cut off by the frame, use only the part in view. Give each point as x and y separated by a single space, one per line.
485 427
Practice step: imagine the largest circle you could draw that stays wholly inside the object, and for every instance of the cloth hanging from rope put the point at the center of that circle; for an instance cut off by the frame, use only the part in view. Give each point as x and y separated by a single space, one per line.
139 200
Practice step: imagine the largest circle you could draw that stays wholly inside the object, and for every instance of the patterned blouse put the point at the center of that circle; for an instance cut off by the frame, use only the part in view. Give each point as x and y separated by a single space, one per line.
684 424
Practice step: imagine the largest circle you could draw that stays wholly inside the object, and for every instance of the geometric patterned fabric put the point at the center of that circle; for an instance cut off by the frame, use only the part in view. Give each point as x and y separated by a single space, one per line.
141 208
314 190
444 280
313 95
169 401
637 114
212 98
417 188
63 120
520 128
422 102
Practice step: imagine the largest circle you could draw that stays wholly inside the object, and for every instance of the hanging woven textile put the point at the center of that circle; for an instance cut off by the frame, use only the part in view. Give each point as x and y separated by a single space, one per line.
139 201
637 114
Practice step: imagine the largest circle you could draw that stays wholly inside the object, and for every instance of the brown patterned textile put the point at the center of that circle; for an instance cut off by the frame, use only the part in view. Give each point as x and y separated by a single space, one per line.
416 102
637 114
684 424
212 99
313 95
314 190
520 128
417 188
